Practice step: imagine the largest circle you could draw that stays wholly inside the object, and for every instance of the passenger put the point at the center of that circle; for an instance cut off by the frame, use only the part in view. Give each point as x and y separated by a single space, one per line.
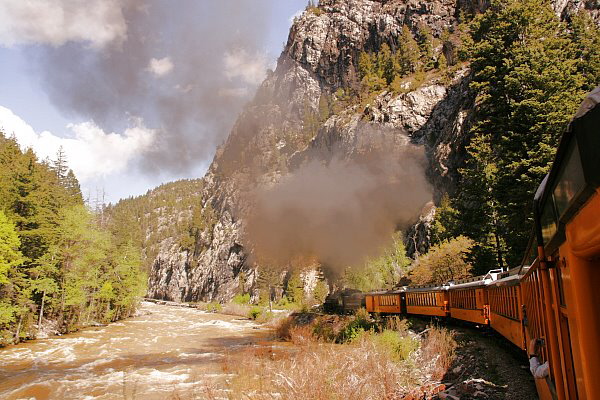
538 371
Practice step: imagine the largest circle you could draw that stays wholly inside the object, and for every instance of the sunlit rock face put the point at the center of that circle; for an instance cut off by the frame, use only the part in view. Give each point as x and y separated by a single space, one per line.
270 138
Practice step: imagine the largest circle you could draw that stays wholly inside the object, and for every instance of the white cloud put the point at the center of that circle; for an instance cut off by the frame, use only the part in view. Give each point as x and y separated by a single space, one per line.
251 68
91 152
160 67
56 22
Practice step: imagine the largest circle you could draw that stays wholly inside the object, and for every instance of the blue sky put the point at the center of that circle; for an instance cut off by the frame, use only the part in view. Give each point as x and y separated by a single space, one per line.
136 95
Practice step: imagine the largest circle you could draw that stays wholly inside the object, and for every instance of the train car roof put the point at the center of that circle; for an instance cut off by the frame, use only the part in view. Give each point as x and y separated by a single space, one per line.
480 280
507 278
393 291
426 288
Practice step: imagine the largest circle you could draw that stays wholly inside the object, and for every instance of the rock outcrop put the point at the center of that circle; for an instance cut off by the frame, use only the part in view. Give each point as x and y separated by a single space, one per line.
273 137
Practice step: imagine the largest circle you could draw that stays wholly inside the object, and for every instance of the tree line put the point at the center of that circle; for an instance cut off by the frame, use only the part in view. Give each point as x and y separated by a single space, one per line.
530 73
59 261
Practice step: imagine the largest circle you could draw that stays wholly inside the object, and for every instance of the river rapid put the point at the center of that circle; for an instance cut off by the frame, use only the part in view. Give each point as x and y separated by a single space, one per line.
168 352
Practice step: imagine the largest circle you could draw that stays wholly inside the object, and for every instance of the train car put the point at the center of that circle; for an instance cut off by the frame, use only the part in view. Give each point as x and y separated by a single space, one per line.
427 300
505 310
386 302
469 300
561 287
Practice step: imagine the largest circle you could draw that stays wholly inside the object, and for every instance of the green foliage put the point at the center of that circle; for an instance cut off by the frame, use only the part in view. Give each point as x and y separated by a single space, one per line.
294 289
320 292
241 298
530 74
56 258
383 272
356 327
397 345
255 312
213 307
10 256
386 69
444 262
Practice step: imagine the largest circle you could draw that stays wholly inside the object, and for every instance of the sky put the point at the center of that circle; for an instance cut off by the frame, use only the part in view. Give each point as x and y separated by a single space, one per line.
136 92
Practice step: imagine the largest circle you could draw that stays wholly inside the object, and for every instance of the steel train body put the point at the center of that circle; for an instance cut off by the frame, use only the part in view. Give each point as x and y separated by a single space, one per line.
555 294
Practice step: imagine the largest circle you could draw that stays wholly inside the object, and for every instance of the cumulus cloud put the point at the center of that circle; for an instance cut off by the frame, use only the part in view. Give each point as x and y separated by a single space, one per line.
250 68
56 22
160 67
91 152
212 53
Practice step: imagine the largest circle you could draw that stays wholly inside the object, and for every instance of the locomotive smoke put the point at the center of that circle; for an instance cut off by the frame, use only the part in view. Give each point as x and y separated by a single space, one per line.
341 210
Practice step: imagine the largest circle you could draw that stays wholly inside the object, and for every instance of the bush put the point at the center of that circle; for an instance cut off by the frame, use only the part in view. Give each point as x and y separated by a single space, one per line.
399 347
213 307
241 299
353 330
283 328
255 312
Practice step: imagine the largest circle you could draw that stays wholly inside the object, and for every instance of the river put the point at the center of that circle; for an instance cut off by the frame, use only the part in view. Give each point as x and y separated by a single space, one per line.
167 352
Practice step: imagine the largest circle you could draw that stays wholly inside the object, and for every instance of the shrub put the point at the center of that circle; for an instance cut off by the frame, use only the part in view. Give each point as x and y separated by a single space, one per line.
213 307
255 312
397 324
241 299
440 344
283 328
356 327
399 347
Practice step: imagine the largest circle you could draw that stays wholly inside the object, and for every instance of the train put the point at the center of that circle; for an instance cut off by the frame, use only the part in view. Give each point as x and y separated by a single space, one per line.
552 300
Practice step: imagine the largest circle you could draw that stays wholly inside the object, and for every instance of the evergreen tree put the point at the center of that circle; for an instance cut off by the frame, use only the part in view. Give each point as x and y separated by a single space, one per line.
585 35
528 86
10 259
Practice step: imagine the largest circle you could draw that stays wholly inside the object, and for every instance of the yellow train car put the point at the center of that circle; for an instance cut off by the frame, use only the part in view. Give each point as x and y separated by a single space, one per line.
427 300
561 288
469 298
389 302
505 307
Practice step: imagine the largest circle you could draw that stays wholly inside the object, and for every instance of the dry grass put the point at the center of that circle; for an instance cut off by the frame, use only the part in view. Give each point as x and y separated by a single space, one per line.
241 310
439 346
368 368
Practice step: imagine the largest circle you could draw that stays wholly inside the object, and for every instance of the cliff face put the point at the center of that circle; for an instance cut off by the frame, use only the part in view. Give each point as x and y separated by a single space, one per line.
273 135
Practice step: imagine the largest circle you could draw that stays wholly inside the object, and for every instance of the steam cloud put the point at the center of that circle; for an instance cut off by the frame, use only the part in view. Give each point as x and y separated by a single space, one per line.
341 211
183 68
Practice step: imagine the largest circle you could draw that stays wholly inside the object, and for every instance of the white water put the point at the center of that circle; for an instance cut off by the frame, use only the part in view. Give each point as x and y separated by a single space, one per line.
172 352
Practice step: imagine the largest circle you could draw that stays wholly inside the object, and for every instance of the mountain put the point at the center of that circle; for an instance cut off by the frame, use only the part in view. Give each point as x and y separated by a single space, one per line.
347 91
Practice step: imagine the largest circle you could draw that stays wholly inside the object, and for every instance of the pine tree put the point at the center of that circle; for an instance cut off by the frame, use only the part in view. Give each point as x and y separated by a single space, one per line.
525 75
408 53
585 35
10 259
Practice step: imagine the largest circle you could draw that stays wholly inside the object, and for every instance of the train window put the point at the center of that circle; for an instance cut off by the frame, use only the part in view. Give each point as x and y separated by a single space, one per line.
548 220
571 180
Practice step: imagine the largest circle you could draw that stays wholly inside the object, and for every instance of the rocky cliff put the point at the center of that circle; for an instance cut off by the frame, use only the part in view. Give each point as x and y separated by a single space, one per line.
283 128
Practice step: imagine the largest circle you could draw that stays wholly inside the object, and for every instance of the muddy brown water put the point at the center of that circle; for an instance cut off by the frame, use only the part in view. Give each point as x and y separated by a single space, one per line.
170 351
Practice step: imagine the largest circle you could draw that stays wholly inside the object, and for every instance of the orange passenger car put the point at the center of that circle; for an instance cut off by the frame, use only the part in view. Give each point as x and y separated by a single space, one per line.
506 312
427 300
561 288
384 302
469 299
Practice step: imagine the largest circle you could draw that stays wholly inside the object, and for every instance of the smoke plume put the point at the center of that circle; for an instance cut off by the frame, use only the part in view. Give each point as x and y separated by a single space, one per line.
340 210
184 68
